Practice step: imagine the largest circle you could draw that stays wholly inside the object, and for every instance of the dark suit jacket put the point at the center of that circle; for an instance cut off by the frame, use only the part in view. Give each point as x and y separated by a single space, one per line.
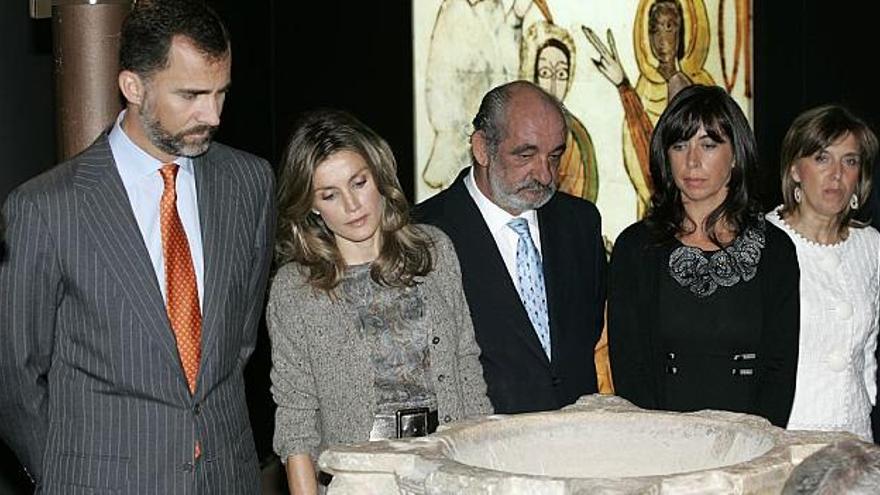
518 374
93 398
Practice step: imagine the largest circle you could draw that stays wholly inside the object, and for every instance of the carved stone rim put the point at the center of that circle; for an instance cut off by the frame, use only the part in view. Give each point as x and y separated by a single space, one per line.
422 464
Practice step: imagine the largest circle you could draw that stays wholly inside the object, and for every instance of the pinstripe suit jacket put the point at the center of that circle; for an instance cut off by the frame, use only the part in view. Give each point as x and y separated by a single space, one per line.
93 398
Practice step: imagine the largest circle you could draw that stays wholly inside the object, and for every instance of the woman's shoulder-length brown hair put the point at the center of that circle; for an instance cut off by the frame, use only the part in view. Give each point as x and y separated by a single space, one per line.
816 129
304 238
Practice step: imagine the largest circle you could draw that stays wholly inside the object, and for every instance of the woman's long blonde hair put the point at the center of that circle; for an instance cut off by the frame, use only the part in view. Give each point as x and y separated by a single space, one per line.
303 236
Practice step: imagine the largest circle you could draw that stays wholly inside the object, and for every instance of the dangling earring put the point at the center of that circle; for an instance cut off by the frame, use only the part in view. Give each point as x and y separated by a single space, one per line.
316 213
854 202
798 195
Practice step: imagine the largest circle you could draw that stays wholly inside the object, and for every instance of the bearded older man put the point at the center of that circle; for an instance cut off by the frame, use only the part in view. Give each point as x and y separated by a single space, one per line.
532 258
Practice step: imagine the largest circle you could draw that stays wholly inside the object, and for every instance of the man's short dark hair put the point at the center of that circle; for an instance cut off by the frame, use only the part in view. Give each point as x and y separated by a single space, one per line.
151 26
491 117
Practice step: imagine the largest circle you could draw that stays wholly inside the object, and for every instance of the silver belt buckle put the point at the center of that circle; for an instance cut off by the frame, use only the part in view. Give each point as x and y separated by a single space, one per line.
412 422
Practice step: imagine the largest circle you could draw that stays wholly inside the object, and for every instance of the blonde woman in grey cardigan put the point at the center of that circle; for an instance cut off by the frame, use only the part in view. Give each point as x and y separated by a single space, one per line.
371 334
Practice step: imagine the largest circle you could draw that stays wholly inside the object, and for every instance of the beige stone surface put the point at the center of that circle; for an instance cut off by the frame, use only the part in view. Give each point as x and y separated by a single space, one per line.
600 445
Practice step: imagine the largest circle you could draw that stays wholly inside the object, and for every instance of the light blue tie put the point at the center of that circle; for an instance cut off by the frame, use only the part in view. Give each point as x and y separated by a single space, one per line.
530 275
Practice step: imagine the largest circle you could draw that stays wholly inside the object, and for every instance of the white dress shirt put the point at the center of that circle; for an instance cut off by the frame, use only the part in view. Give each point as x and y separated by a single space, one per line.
144 185
496 219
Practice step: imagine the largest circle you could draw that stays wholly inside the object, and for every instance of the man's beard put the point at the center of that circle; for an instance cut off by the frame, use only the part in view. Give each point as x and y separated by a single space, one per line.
175 144
509 197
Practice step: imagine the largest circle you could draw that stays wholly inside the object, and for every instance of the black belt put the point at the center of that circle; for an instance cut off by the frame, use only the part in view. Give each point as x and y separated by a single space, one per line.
416 422
404 423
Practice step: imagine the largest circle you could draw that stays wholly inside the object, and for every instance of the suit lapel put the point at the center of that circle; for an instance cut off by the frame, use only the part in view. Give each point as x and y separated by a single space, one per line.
486 261
110 222
552 246
217 204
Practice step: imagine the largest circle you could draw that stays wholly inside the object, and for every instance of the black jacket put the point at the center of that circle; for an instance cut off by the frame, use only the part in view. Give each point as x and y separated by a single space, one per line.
734 350
518 374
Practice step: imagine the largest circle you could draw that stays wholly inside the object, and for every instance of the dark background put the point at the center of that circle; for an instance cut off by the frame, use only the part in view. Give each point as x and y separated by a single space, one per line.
356 55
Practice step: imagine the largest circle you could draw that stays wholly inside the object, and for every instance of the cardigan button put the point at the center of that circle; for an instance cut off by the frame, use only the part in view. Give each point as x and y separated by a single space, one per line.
447 419
441 378
435 340
844 310
836 361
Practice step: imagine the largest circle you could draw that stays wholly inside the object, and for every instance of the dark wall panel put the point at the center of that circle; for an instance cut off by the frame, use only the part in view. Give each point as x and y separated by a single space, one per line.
249 112
355 56
27 133
808 53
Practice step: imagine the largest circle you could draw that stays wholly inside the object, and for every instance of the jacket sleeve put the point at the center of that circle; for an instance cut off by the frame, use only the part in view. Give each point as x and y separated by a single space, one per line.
261 258
293 383
628 333
869 375
870 372
875 411
473 386
780 332
31 287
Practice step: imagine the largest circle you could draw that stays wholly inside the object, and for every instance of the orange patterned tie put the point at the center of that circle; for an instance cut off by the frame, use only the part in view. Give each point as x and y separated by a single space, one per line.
180 280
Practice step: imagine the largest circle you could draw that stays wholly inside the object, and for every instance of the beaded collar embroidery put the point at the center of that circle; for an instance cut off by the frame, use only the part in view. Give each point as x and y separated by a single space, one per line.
702 273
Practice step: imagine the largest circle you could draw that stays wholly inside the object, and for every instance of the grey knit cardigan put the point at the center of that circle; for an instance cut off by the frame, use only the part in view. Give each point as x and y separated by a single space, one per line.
322 372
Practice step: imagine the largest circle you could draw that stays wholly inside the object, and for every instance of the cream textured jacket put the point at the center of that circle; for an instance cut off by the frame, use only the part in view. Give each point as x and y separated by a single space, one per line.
322 373
840 292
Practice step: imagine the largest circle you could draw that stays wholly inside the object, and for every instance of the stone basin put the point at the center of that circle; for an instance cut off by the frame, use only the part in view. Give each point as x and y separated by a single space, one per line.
601 444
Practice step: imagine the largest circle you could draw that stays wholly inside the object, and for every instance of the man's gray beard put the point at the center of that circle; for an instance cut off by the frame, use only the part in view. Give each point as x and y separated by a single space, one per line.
175 144
510 200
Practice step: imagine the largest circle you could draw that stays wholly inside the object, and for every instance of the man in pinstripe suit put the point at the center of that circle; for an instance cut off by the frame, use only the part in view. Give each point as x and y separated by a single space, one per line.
93 393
